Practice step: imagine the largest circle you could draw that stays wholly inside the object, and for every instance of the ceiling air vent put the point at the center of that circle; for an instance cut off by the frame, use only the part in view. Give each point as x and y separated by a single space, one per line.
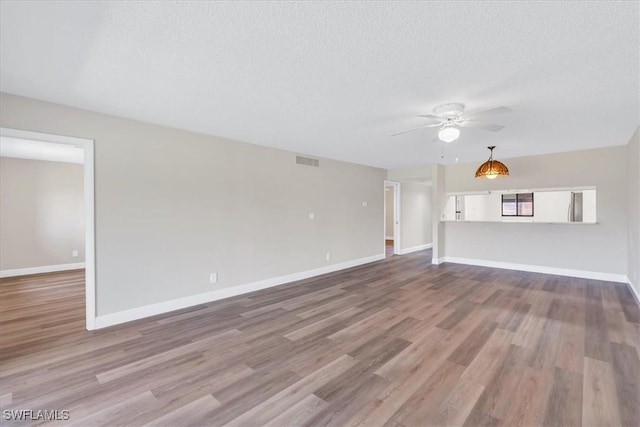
307 161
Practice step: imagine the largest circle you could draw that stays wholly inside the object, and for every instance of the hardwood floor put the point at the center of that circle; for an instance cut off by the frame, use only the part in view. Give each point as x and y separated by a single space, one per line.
394 343
388 248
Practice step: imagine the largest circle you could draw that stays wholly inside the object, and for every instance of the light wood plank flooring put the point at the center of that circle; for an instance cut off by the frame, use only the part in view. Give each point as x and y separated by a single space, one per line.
396 343
388 248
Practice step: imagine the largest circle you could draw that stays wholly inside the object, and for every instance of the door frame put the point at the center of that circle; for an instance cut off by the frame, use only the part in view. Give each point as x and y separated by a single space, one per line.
396 214
89 210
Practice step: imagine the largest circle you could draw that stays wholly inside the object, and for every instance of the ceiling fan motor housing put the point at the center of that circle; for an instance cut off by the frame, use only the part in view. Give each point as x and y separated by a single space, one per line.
449 111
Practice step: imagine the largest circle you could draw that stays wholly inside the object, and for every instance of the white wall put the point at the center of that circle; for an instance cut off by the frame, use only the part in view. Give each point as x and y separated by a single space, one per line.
633 195
415 215
589 206
449 211
173 206
551 206
438 205
415 174
597 248
388 206
41 213
483 207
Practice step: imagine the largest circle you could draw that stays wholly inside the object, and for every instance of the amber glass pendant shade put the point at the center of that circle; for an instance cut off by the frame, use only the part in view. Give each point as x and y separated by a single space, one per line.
492 168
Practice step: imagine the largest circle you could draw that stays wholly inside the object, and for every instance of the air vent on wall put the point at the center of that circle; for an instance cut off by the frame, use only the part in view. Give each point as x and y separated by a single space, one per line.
307 161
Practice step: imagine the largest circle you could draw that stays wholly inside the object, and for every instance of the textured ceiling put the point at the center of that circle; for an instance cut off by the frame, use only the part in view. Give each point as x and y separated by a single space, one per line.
335 79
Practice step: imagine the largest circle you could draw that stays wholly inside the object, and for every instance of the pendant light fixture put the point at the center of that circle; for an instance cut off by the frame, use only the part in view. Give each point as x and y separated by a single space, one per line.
492 169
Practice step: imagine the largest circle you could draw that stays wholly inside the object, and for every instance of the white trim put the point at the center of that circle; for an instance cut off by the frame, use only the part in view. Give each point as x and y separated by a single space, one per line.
189 301
388 237
516 220
89 209
634 291
45 137
42 269
584 274
416 249
436 261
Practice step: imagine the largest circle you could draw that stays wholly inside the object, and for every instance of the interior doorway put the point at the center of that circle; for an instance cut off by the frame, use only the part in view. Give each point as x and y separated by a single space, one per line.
88 194
391 218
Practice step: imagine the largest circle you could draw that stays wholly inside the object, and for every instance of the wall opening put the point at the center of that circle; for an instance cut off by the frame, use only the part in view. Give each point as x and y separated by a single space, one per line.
59 242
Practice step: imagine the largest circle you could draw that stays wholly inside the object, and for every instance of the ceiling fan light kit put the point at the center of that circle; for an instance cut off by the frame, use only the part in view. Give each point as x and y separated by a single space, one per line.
449 133
492 169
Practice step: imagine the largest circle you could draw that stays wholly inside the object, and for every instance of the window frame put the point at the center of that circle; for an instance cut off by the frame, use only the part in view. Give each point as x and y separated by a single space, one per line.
518 214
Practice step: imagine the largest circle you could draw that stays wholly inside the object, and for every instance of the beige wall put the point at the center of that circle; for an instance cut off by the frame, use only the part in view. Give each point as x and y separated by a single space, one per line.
633 194
388 205
41 213
438 205
174 206
597 248
415 215
415 174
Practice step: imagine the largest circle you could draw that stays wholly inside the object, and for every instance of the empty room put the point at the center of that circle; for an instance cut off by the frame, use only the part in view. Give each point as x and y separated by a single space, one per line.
319 213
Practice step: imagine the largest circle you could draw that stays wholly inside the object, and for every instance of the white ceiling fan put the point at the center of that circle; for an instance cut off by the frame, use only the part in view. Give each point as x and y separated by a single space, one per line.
451 117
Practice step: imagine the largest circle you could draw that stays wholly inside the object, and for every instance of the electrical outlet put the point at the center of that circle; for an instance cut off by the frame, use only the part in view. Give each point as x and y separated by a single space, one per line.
74 254
312 215
328 256
213 278
365 204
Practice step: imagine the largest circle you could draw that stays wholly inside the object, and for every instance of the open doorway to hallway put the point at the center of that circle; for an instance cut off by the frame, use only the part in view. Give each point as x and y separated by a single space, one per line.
391 218
47 223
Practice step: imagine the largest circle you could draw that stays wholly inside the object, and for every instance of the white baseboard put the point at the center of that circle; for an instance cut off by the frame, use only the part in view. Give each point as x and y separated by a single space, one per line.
388 237
634 291
42 269
189 301
437 261
415 249
583 274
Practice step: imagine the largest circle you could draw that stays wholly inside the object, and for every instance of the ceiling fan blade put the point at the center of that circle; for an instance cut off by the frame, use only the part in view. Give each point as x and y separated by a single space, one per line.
486 113
481 125
411 130
432 117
